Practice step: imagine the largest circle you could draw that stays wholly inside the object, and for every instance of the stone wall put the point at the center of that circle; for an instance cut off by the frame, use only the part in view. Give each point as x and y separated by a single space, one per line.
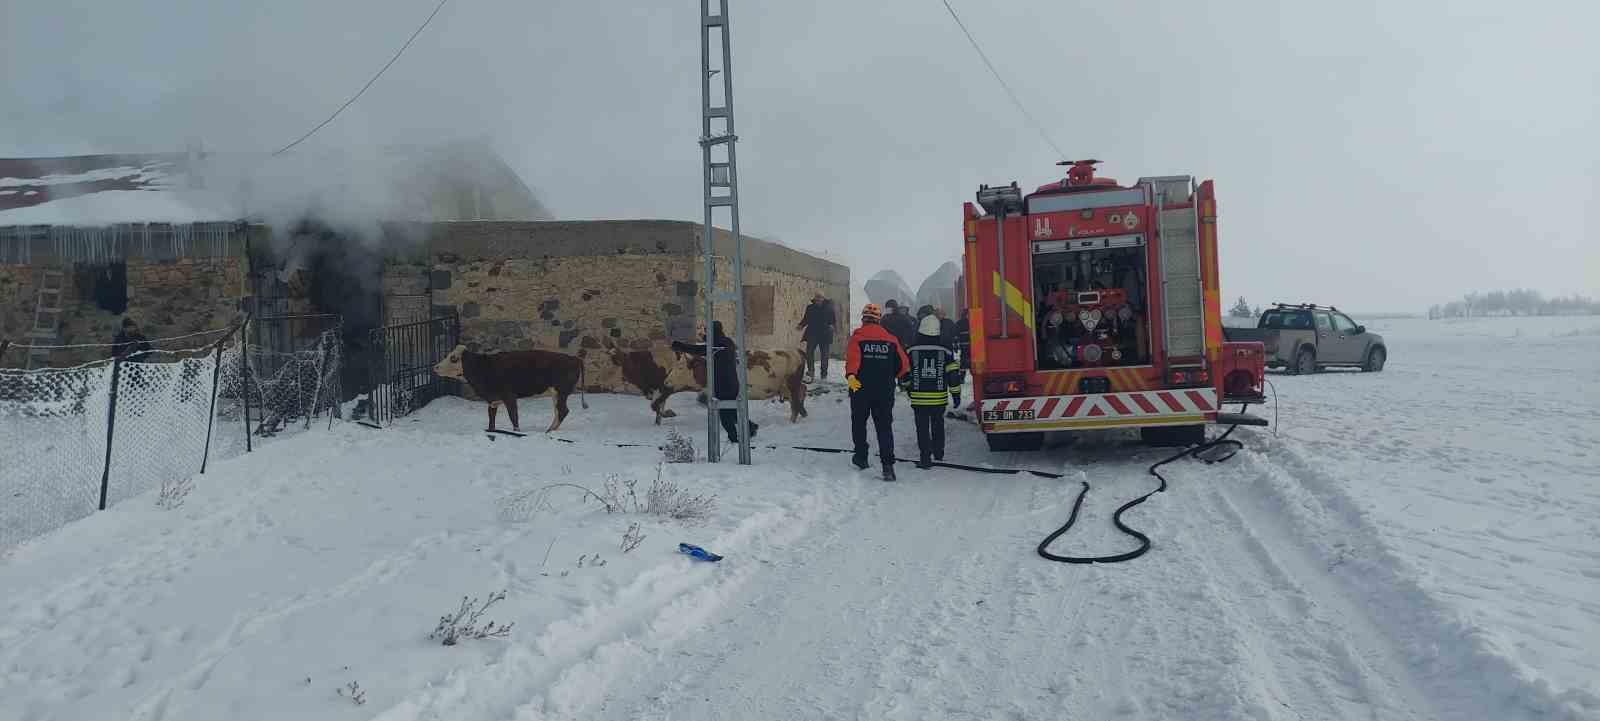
581 305
587 287
167 298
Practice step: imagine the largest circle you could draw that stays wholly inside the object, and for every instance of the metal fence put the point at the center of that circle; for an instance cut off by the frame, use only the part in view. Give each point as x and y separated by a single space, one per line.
403 356
74 440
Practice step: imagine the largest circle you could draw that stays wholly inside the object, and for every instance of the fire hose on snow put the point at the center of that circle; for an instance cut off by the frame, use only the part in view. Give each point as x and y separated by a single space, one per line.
1198 452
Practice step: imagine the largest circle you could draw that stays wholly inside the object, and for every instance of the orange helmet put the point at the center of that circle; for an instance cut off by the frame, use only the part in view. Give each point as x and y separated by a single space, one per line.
871 313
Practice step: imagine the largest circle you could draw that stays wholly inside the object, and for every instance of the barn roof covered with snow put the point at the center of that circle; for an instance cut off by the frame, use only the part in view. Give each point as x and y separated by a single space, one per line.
454 181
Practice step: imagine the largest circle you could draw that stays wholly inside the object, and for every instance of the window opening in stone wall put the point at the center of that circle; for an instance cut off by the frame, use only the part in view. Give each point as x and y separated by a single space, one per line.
759 310
103 284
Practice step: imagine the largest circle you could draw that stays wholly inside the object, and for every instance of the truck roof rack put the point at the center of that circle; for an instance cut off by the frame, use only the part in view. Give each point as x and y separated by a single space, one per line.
1305 306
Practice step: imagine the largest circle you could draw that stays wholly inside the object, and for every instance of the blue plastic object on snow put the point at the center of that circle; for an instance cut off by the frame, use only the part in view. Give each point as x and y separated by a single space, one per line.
694 551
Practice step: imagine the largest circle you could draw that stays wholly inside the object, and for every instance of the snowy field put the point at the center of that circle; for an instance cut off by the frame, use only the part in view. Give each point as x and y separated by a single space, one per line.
1416 544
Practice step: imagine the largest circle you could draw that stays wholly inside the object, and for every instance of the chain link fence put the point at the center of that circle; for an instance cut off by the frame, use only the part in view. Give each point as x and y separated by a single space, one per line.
73 440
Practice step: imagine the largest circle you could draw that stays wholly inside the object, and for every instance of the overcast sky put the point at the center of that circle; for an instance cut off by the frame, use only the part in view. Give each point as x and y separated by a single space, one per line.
1368 153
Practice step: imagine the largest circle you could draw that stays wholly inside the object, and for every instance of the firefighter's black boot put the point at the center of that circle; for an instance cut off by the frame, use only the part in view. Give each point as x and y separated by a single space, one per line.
924 462
860 460
888 472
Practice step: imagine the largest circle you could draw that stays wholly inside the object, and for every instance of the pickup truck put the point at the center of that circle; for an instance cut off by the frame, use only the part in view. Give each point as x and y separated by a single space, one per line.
1307 338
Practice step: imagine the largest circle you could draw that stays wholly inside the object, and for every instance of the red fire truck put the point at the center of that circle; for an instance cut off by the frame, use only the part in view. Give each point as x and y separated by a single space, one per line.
1095 305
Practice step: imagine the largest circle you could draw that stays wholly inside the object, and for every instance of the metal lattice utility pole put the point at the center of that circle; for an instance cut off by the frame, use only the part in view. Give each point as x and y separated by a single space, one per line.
721 191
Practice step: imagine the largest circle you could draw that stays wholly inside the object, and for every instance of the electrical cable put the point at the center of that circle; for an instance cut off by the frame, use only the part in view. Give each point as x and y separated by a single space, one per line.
363 89
1194 451
1003 84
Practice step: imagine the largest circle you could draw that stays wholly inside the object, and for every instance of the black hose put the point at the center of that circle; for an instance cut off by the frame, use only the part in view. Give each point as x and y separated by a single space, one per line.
1195 452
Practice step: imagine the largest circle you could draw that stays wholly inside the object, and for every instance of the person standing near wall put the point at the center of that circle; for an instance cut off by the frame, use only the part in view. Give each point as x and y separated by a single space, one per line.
818 325
130 344
727 376
874 361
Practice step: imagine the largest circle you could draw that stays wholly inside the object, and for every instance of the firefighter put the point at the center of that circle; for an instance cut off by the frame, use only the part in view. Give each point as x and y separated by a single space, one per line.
874 361
963 342
934 372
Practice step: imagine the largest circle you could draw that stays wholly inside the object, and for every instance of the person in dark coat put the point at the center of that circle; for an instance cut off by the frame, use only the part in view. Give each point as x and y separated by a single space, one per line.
874 361
130 344
934 373
818 324
727 377
898 321
947 329
963 342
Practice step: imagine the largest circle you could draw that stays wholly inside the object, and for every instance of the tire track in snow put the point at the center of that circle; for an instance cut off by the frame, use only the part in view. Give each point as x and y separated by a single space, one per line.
570 667
1448 660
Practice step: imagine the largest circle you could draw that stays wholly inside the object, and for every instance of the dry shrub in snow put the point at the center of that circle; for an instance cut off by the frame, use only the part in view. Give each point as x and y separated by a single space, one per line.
632 538
464 624
173 491
678 448
354 692
663 498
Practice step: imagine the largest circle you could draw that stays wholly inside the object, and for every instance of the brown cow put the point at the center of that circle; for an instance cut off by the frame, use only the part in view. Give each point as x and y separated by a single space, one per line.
508 375
660 372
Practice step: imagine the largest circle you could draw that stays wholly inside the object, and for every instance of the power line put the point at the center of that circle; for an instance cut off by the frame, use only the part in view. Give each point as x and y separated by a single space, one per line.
1036 125
374 79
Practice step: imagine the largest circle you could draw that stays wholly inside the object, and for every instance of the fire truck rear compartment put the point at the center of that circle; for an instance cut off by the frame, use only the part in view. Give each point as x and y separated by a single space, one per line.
1092 305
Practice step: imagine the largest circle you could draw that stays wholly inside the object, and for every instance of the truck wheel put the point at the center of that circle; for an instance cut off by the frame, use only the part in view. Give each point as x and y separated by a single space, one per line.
1173 436
1375 360
1007 442
1305 362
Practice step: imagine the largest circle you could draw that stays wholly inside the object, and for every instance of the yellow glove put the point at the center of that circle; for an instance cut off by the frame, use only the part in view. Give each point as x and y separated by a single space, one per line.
853 383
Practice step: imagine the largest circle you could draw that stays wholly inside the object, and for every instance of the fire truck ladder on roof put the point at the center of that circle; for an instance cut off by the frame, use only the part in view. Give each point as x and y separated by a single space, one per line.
46 314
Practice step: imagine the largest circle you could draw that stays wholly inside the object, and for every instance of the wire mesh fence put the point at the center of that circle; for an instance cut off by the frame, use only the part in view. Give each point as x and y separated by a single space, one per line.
73 440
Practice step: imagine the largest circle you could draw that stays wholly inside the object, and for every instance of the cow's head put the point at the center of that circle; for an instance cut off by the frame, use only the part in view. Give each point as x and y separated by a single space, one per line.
451 367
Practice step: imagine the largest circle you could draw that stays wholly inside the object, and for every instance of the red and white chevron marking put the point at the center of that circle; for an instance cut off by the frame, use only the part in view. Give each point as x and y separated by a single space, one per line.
1153 404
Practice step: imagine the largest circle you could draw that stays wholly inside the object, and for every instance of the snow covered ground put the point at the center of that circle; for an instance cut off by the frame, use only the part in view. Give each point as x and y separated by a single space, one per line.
1417 544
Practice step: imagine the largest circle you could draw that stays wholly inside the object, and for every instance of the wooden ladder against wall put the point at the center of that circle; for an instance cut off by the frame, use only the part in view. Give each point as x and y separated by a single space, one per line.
46 315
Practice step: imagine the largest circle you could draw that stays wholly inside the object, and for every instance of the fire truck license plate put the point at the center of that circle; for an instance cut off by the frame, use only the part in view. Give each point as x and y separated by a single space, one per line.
1011 415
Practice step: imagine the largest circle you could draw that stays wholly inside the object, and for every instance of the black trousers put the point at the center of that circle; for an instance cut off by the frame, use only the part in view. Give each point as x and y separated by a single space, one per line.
930 431
812 346
880 408
730 421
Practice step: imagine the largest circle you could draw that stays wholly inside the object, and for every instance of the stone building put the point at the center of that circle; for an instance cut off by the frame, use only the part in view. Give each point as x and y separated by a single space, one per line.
585 287
159 238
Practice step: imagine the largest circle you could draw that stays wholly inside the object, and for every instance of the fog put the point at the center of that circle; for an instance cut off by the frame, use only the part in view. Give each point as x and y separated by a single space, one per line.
1374 155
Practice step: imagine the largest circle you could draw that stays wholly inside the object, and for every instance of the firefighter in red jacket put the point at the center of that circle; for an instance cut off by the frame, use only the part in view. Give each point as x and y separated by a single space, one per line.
874 362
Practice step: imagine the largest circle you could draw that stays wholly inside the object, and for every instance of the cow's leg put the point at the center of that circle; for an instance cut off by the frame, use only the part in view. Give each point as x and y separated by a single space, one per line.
511 410
494 407
659 405
797 398
561 411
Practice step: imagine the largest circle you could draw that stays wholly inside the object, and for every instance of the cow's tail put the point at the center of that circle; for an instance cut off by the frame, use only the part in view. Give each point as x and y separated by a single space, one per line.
583 395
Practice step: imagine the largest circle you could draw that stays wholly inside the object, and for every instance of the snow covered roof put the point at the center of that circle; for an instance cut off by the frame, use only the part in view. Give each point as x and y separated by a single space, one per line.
102 189
453 181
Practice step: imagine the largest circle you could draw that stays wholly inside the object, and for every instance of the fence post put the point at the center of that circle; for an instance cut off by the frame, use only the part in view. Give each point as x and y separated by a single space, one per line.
244 378
111 429
211 420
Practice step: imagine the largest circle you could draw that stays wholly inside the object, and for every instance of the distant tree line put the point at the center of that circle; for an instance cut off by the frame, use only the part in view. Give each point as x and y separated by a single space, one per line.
1242 309
1514 302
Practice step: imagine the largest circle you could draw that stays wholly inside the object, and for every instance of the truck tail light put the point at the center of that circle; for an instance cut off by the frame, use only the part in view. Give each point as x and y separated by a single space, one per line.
1188 377
1000 387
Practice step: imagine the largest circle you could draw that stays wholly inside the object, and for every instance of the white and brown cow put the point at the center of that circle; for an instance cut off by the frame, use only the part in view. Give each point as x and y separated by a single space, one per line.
660 372
502 378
